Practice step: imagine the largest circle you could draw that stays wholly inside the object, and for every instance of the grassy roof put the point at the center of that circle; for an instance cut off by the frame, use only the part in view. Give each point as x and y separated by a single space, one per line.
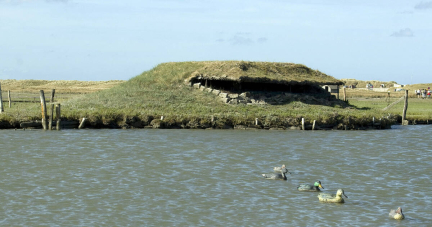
260 72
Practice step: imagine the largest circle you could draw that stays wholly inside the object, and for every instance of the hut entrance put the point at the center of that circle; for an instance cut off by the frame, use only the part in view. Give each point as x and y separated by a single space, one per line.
231 86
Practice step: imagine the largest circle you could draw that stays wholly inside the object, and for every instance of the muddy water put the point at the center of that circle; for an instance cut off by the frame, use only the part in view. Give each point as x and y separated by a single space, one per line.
212 177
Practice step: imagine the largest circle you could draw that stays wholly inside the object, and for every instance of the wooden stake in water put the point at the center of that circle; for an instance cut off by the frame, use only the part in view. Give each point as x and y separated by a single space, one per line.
405 108
44 110
82 123
313 125
51 117
58 115
303 124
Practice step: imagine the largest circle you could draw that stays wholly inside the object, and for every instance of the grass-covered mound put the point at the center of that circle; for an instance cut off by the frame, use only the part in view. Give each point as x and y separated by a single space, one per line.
261 71
161 91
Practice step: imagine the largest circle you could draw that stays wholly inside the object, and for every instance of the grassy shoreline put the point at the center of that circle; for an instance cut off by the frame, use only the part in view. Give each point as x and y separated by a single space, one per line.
143 100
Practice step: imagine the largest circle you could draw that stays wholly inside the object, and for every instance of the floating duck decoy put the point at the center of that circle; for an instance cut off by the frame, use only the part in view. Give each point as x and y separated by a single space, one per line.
396 214
332 198
278 169
310 188
276 176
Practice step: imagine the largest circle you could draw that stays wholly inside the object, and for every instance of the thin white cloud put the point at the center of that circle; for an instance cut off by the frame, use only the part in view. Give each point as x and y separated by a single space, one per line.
25 1
55 1
423 5
262 40
406 12
403 33
240 40
15 2
243 33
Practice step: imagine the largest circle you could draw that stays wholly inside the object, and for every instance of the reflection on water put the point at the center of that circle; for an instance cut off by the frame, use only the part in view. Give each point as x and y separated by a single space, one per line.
213 177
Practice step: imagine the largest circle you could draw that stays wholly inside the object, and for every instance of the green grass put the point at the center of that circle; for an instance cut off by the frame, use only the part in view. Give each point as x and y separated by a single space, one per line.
162 91
418 109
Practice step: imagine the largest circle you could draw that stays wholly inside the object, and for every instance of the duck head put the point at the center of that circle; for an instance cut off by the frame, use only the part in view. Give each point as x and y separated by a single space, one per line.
399 210
341 192
318 184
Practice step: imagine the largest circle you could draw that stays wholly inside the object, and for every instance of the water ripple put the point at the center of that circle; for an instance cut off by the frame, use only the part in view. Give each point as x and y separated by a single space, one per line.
213 178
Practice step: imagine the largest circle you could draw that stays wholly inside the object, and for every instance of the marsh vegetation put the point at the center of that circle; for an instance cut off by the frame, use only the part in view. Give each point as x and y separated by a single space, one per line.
162 91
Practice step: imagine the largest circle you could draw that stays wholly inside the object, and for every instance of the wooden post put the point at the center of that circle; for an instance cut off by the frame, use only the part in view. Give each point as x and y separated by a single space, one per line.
52 95
51 117
9 98
405 109
1 101
303 124
344 94
313 125
256 121
58 115
82 123
212 118
44 110
162 117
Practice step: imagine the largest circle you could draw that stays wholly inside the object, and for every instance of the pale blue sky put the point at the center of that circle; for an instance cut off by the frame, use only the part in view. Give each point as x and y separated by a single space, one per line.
387 40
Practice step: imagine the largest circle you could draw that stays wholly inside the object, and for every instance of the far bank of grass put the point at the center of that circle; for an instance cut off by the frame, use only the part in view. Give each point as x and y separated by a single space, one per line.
143 100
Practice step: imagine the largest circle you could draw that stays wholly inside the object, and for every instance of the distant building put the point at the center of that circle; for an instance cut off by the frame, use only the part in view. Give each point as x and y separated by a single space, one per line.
398 85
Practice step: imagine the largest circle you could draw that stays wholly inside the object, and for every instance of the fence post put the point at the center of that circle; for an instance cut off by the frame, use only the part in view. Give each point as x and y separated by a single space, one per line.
58 115
404 122
9 98
344 94
44 110
52 95
51 117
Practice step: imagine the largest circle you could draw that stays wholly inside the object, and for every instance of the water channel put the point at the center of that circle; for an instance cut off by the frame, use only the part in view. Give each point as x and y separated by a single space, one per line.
147 177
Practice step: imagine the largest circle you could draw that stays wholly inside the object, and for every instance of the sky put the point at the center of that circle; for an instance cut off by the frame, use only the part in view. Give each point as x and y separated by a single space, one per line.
98 40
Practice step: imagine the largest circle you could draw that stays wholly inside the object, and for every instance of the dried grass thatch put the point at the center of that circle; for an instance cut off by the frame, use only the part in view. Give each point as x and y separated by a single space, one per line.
261 72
